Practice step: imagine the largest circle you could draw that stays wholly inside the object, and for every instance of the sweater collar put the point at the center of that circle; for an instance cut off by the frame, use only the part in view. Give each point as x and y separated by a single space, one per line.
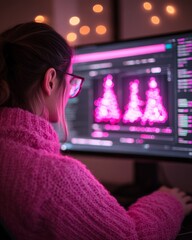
28 129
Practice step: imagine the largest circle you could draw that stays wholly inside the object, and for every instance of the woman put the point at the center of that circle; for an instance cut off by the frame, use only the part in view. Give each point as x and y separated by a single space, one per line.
45 195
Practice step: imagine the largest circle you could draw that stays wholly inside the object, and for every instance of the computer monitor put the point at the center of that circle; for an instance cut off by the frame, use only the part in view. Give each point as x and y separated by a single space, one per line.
136 99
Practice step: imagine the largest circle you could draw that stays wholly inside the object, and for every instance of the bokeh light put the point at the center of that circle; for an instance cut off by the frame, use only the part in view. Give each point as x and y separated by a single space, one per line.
170 9
74 20
147 6
155 20
97 8
101 29
40 19
84 30
71 37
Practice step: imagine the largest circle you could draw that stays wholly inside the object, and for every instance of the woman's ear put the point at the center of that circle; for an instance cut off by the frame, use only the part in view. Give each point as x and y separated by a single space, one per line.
49 81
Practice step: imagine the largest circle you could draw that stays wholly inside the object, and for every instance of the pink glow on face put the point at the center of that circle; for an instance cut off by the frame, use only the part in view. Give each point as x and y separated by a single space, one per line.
107 109
126 52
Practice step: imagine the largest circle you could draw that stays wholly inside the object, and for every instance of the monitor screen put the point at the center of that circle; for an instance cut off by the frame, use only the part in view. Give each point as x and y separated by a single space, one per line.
136 98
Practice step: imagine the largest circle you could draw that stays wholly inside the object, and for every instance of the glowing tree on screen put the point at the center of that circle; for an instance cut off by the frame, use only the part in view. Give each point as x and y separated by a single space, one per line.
133 112
154 111
107 109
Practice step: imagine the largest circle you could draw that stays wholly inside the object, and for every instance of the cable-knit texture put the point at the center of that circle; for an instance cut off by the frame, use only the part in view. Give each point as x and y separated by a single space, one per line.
44 195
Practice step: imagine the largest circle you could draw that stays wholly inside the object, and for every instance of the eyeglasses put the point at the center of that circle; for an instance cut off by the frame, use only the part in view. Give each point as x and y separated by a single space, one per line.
76 85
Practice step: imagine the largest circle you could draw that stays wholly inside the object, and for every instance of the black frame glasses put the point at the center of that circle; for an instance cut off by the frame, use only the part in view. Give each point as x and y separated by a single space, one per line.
76 83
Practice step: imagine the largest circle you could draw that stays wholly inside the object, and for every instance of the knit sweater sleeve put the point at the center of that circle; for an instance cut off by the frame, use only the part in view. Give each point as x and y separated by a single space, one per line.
77 206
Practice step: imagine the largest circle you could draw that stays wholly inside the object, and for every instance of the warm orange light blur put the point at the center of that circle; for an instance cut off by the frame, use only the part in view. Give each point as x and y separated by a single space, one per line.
71 37
147 6
101 29
84 30
155 20
74 20
40 19
97 8
170 9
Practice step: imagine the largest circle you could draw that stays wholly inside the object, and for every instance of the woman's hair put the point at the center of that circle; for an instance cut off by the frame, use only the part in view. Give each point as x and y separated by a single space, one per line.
27 51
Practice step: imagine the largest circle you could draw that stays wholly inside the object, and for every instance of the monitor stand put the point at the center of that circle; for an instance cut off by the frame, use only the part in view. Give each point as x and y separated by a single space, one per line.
145 182
146 176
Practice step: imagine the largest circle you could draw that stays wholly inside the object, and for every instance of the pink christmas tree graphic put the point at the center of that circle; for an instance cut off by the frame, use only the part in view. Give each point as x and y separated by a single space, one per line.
133 112
154 111
107 109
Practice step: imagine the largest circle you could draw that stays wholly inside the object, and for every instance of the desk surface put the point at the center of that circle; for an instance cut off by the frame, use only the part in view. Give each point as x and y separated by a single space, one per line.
184 236
186 229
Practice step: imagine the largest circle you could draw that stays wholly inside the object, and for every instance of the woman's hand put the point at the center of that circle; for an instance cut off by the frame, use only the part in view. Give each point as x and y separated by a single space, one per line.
181 196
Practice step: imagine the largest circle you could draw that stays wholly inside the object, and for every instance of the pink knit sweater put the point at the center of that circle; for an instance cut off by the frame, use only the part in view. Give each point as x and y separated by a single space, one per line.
44 195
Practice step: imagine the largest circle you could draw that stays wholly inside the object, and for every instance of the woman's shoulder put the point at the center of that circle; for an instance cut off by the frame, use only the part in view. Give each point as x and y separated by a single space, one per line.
63 166
61 162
